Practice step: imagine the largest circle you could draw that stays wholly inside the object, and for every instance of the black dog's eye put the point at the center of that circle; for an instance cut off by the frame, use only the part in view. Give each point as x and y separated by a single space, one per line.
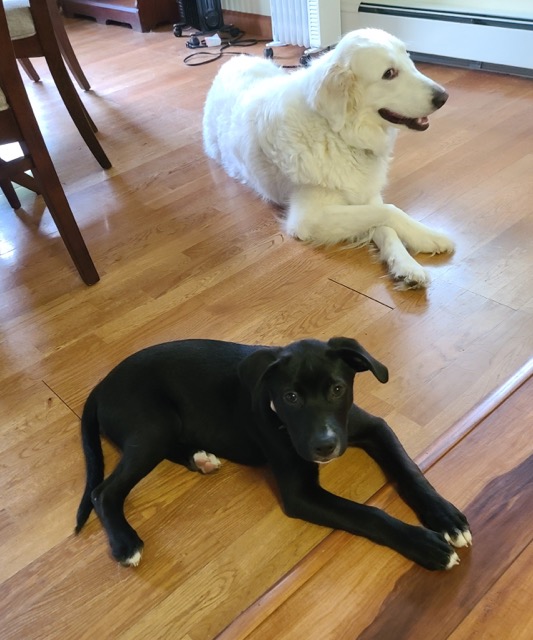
337 390
291 397
390 74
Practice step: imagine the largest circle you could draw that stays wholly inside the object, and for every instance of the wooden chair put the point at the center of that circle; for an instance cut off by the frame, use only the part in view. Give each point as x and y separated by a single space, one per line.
18 124
37 30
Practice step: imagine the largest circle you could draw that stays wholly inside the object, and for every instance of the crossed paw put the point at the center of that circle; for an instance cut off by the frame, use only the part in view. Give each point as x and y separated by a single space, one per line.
429 241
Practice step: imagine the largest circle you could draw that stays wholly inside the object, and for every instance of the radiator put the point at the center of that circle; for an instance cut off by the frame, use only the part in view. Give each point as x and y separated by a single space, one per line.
313 24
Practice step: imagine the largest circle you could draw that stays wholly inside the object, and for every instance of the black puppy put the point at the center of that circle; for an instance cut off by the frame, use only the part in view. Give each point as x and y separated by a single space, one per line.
289 407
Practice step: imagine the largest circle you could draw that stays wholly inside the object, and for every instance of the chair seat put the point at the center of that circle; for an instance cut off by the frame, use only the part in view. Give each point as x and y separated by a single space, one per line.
19 20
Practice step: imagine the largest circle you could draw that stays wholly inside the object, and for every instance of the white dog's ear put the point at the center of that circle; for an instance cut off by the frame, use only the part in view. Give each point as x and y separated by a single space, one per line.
332 93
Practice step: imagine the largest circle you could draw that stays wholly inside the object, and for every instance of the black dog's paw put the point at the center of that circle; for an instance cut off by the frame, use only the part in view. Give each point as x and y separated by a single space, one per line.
133 559
128 553
443 517
431 550
460 538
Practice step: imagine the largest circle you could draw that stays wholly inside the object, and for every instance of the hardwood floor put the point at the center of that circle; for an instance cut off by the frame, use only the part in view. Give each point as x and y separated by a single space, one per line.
184 251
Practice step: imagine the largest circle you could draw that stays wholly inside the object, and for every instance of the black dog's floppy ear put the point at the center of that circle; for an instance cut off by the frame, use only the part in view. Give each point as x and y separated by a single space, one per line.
253 368
358 358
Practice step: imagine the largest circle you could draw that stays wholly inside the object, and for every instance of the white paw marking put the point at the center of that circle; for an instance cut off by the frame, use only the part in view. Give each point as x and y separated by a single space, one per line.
133 561
454 559
462 539
206 462
467 535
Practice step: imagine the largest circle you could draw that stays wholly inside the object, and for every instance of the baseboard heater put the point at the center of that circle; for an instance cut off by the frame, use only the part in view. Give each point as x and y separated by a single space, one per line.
472 40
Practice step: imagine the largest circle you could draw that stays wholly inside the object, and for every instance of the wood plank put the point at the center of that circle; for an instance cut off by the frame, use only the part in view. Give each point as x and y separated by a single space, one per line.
500 613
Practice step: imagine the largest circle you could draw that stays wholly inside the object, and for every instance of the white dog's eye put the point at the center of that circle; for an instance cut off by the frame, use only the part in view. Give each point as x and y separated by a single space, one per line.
390 74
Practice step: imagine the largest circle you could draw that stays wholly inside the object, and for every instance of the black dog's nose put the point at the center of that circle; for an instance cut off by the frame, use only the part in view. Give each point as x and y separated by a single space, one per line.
439 98
325 446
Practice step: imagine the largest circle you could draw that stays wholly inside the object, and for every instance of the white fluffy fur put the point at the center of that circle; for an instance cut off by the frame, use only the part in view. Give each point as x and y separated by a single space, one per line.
314 142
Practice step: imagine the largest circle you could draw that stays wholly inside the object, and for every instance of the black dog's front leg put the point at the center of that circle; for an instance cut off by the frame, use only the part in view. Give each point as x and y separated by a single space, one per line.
374 436
304 498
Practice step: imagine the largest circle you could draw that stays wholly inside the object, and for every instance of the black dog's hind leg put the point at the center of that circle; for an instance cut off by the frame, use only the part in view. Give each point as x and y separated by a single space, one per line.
138 459
374 436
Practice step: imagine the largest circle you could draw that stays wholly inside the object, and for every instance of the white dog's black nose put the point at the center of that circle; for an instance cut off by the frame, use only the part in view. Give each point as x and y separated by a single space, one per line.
439 98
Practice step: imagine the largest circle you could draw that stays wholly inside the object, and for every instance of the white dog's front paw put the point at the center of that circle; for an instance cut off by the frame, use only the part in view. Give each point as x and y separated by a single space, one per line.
408 273
429 241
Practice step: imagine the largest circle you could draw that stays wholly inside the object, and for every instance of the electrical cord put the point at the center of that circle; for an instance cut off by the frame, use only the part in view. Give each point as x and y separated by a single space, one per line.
212 56
205 56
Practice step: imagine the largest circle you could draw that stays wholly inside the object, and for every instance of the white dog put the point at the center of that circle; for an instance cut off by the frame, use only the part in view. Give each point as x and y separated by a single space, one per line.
318 142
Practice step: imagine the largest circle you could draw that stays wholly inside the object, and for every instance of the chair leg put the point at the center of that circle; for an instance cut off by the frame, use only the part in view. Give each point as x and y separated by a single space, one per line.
29 69
77 110
66 48
88 117
41 13
71 60
72 63
10 193
60 210
68 55
50 187
57 203
26 64
19 124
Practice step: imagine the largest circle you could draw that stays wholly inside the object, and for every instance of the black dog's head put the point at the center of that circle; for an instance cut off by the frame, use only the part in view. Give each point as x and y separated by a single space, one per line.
309 385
